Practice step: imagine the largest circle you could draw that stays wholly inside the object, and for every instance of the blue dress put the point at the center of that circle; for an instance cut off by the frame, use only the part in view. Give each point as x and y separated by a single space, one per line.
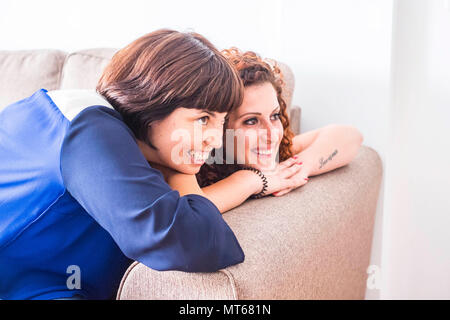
77 194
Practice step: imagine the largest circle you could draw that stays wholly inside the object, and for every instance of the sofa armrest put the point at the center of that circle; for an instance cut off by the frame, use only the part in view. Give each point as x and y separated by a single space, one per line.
312 243
294 119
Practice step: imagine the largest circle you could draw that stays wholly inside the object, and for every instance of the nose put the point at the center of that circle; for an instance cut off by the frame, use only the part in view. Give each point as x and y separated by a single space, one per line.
268 133
213 138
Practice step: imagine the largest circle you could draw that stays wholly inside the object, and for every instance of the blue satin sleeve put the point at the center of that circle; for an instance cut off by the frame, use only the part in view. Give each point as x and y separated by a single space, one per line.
104 170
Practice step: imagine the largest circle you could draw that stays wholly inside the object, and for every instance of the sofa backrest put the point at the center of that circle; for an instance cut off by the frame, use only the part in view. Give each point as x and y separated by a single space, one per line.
24 72
82 69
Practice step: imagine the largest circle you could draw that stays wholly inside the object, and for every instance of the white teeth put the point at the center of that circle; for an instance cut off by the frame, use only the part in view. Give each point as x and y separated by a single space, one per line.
198 156
263 152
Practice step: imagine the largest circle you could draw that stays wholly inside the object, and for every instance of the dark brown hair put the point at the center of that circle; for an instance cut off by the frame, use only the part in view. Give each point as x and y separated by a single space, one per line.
253 70
164 70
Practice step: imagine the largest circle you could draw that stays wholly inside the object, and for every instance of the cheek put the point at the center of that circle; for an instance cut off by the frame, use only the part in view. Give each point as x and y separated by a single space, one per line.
280 131
170 141
244 141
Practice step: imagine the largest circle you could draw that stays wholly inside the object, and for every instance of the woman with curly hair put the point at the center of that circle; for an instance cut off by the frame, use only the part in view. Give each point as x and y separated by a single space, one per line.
261 123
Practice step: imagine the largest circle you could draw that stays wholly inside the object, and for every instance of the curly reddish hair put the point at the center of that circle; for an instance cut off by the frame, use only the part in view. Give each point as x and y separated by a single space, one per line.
253 70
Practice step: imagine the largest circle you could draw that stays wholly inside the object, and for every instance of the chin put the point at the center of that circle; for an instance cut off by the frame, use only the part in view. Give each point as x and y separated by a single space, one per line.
188 169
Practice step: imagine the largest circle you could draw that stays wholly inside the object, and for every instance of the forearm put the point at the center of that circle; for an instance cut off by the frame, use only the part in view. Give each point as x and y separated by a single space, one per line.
226 194
230 192
334 147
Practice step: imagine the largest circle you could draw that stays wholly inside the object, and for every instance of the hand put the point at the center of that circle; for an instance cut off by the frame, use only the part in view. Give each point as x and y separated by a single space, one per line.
283 177
299 179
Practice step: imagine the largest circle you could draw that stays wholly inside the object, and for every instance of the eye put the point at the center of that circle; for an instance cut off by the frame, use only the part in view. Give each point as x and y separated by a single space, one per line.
277 116
203 120
250 121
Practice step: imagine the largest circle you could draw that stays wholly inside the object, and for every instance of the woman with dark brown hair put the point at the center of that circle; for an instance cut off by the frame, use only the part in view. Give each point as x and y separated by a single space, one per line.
261 123
81 195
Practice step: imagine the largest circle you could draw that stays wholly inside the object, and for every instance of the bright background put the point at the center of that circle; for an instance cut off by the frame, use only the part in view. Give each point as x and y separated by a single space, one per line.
382 66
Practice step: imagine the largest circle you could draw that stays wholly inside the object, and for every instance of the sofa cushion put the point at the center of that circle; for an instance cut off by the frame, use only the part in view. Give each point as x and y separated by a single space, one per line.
24 72
82 69
312 243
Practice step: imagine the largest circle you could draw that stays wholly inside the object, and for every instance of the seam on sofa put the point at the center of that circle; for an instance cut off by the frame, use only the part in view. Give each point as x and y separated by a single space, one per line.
231 281
124 278
88 55
61 70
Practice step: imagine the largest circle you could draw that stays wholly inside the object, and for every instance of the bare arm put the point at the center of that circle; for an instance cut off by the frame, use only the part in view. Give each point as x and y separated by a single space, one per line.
226 194
327 148
230 192
233 190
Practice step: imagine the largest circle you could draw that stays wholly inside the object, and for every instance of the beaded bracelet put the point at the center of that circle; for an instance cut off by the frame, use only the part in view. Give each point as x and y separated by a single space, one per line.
264 180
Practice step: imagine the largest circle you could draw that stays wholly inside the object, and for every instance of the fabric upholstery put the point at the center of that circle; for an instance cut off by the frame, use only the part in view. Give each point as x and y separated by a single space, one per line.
82 69
24 72
312 243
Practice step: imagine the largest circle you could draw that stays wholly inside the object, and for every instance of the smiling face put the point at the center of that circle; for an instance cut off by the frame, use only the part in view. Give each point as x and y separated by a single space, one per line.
257 122
184 139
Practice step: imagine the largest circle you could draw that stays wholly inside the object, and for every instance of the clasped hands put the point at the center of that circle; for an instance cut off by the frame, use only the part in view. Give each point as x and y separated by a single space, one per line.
286 176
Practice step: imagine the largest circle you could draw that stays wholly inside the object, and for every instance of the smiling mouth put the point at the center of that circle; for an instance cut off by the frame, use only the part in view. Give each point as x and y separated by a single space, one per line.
263 153
198 157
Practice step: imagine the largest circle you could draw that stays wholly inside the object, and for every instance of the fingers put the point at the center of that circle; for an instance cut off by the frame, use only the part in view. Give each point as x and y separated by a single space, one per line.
298 180
287 176
290 171
287 163
291 184
282 192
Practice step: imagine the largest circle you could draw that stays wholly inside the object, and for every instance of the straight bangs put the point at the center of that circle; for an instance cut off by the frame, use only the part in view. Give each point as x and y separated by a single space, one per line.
213 85
218 88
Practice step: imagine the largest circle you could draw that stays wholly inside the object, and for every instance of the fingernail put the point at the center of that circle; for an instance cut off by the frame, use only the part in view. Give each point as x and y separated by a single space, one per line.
300 162
295 157
306 179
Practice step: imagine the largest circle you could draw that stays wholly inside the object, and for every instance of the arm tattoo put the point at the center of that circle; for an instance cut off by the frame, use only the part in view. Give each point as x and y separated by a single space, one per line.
322 162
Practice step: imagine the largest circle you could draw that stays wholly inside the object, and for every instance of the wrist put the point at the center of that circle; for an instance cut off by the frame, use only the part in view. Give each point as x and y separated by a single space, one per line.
264 182
251 178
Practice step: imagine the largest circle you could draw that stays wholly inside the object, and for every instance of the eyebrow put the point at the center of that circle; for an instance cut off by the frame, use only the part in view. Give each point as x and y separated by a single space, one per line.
257 113
208 112
212 114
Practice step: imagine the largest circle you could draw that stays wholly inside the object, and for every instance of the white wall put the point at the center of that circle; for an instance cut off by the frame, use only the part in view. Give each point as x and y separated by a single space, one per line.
340 52
416 256
80 24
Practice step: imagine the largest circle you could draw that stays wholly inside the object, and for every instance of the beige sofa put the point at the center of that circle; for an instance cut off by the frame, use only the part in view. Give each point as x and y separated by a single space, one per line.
313 243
